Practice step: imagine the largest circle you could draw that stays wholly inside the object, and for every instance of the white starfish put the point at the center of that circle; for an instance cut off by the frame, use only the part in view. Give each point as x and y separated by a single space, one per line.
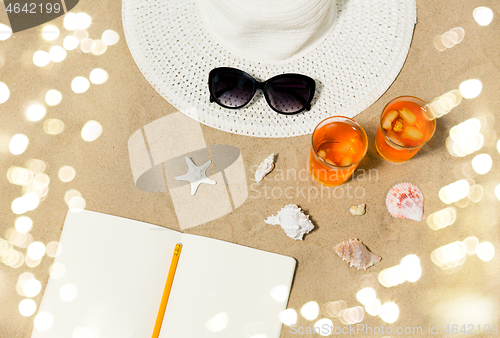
195 175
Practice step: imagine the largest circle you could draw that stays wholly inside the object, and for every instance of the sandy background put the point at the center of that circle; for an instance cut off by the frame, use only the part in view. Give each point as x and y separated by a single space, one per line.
467 294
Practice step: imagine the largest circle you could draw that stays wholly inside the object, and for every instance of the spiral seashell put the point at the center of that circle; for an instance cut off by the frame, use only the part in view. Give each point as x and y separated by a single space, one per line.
405 200
293 220
264 168
356 254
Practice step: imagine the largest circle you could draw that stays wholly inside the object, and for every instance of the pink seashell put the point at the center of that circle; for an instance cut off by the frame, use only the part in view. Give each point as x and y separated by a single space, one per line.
356 253
405 200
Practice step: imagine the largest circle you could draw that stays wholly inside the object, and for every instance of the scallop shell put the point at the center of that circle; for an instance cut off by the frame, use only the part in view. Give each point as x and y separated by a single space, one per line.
264 168
293 220
358 210
357 254
405 200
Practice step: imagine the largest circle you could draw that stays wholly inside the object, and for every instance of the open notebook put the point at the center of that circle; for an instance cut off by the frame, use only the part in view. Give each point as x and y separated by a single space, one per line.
115 273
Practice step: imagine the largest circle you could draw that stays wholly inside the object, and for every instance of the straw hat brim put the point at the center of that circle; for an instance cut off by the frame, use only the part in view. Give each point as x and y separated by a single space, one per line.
352 67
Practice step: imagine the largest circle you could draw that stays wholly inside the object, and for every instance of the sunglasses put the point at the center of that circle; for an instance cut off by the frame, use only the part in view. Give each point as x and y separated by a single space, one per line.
286 93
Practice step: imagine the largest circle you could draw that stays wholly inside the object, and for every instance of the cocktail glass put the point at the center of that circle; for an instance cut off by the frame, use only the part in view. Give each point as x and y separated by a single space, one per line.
406 124
338 145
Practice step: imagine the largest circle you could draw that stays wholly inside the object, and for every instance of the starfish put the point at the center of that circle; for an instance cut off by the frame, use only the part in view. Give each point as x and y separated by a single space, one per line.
195 175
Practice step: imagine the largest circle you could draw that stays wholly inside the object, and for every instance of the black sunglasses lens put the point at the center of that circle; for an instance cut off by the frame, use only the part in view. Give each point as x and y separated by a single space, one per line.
289 95
232 89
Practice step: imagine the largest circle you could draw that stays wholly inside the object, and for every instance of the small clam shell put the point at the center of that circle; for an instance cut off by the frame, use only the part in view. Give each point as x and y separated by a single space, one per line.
356 254
358 210
293 221
405 200
264 168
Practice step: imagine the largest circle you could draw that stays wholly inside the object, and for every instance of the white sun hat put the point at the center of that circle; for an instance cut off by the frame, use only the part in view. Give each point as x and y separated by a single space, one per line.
353 49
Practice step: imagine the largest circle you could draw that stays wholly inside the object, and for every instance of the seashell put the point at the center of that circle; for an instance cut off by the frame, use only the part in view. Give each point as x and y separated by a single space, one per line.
293 220
358 210
264 168
356 253
405 200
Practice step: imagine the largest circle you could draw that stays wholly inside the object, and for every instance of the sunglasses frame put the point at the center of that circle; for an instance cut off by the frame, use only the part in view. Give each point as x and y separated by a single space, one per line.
262 86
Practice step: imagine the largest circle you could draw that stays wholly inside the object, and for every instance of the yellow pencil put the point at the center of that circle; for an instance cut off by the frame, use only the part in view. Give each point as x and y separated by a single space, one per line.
166 291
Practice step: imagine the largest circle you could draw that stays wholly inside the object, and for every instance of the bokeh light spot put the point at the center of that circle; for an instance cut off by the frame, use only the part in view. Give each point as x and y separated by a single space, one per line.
41 58
43 321
32 288
53 97
53 126
5 32
31 201
470 89
98 47
86 45
91 131
280 293
310 310
476 193
36 250
333 309
66 174
366 295
288 317
80 84
482 163
4 93
483 15
460 33
217 323
442 218
50 32
471 244
485 251
450 255
76 204
110 37
54 249
70 42
23 224
70 194
17 206
454 191
18 144
497 191
68 292
323 327
389 312
35 112
80 34
57 53
410 268
373 309
70 21
19 176
98 76
57 270
27 307
83 20
36 166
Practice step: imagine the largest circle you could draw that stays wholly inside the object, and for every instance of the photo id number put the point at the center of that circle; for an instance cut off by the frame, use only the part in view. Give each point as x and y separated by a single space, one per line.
471 329
33 8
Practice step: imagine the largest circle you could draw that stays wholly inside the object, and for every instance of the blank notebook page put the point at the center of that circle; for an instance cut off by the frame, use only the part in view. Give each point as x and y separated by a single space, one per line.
227 291
115 269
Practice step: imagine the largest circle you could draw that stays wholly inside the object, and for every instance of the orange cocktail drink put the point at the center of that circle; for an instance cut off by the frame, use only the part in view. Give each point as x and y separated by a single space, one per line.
405 126
338 145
